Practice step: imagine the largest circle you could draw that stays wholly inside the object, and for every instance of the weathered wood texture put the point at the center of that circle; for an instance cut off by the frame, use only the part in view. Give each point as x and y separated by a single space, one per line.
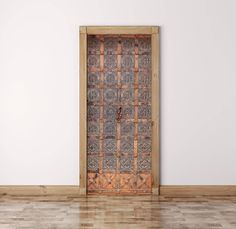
119 113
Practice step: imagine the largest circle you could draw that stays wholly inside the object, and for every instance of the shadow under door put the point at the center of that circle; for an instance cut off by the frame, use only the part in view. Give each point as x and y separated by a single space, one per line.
119 114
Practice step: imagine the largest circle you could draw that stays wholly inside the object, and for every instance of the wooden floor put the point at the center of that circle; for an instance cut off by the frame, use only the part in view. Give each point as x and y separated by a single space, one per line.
117 212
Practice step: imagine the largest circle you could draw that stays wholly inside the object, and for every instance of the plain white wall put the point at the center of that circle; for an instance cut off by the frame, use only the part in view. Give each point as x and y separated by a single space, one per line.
39 86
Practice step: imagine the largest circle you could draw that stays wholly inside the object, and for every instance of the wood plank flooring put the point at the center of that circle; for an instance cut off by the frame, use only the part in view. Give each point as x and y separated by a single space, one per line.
117 212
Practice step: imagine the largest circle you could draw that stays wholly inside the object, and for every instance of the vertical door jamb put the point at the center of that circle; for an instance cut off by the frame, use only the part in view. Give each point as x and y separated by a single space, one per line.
155 113
83 111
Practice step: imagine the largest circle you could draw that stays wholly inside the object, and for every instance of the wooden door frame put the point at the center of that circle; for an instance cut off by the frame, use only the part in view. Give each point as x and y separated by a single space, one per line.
89 30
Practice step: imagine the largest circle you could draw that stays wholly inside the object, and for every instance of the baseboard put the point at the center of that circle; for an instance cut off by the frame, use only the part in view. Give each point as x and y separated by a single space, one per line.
197 190
39 190
73 190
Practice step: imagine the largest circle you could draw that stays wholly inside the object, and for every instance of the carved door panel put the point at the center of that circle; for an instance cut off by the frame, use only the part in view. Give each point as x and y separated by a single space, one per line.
119 114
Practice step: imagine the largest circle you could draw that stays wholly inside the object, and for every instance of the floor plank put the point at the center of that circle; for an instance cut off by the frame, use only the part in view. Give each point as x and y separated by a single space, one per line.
70 212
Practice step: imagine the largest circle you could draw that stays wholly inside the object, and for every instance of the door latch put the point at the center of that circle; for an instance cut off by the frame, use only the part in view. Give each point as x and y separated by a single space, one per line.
119 114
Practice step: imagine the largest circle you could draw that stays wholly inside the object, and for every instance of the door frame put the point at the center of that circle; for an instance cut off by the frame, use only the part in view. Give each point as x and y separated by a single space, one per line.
93 30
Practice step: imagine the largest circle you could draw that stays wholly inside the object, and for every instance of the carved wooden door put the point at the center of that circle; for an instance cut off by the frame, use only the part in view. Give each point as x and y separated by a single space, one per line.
119 114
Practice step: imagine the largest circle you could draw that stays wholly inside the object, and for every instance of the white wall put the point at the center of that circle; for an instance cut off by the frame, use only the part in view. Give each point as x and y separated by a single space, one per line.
39 86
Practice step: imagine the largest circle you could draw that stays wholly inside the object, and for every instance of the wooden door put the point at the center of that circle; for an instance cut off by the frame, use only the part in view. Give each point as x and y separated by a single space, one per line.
119 114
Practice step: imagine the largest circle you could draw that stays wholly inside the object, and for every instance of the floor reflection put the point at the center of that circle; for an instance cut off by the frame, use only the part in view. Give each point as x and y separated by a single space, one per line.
117 212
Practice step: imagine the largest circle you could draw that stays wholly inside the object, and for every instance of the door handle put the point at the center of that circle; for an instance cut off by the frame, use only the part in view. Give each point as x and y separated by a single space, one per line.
119 114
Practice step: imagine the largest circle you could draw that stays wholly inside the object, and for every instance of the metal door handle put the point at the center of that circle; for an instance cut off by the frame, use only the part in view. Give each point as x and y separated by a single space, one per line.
119 114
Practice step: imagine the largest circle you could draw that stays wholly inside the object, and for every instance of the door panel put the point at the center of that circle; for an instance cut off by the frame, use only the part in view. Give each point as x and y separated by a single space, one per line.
119 114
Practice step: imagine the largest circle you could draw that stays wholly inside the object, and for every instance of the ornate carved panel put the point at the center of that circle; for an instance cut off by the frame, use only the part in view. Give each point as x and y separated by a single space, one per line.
119 114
